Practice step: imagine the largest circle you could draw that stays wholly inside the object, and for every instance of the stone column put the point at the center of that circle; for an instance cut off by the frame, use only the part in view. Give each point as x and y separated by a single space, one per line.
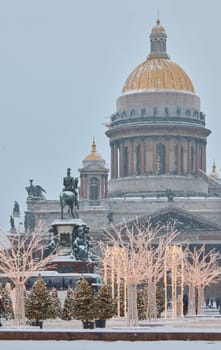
178 157
204 156
121 159
185 156
142 169
112 160
154 152
115 170
197 157
167 156
131 157
188 155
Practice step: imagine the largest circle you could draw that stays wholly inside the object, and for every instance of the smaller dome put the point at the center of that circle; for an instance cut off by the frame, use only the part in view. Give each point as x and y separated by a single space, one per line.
94 155
158 28
214 173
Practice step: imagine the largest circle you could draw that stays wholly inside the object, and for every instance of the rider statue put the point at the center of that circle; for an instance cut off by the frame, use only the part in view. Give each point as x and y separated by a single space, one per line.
71 184
68 181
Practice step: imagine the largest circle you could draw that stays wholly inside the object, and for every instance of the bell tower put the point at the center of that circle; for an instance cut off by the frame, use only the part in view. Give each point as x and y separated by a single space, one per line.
94 177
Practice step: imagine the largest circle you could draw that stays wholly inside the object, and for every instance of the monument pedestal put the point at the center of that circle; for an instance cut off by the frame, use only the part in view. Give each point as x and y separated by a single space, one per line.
68 236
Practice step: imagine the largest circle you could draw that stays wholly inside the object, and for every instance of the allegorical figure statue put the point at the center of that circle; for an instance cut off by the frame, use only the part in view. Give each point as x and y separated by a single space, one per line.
81 245
50 246
35 192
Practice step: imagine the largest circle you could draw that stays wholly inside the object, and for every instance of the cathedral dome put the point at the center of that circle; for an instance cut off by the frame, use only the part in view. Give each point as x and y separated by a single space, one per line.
158 72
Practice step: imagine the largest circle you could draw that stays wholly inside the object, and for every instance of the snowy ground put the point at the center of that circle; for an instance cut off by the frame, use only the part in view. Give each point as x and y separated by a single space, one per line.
211 322
95 345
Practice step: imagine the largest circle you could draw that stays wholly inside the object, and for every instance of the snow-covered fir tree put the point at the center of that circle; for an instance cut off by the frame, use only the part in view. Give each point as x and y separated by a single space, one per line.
160 301
104 307
38 302
68 305
141 304
7 303
83 303
142 301
55 309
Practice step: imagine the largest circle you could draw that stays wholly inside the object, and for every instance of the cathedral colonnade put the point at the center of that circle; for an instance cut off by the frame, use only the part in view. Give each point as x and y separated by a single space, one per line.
153 155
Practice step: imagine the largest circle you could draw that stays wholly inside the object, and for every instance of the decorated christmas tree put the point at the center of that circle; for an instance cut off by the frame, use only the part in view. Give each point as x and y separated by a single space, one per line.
160 302
55 309
38 302
7 303
83 303
67 312
104 307
141 304
142 297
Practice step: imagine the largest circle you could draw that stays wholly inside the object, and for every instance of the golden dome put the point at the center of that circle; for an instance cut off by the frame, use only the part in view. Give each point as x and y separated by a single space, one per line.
158 72
93 155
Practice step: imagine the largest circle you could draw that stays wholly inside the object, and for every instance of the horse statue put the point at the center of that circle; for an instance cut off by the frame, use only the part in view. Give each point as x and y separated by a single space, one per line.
68 198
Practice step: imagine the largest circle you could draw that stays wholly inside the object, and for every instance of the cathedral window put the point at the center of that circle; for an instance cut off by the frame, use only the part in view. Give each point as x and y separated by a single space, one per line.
125 158
181 159
201 157
192 159
175 159
138 160
94 189
161 169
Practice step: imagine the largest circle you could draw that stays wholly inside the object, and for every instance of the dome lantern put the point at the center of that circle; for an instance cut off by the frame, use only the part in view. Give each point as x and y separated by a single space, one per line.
94 155
158 38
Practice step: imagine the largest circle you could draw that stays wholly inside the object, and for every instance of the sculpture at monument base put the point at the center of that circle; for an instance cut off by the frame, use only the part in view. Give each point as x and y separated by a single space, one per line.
71 237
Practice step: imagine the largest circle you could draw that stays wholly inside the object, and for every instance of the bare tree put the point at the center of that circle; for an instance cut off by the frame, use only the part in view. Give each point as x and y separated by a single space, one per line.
201 269
143 250
156 242
20 256
125 243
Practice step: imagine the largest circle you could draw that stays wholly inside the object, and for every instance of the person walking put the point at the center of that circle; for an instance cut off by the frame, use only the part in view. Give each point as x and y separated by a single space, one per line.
2 309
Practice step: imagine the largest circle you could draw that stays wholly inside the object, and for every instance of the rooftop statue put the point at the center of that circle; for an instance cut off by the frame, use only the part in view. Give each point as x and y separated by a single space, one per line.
35 192
110 216
12 222
16 210
169 194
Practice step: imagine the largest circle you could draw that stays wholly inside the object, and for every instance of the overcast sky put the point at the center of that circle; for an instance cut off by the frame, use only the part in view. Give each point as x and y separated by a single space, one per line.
63 63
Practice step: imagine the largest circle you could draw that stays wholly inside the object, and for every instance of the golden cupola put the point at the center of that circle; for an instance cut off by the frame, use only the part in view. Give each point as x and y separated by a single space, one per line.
157 71
94 155
214 172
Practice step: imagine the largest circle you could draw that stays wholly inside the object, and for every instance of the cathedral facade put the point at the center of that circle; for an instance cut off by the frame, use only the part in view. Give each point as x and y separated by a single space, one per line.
158 138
